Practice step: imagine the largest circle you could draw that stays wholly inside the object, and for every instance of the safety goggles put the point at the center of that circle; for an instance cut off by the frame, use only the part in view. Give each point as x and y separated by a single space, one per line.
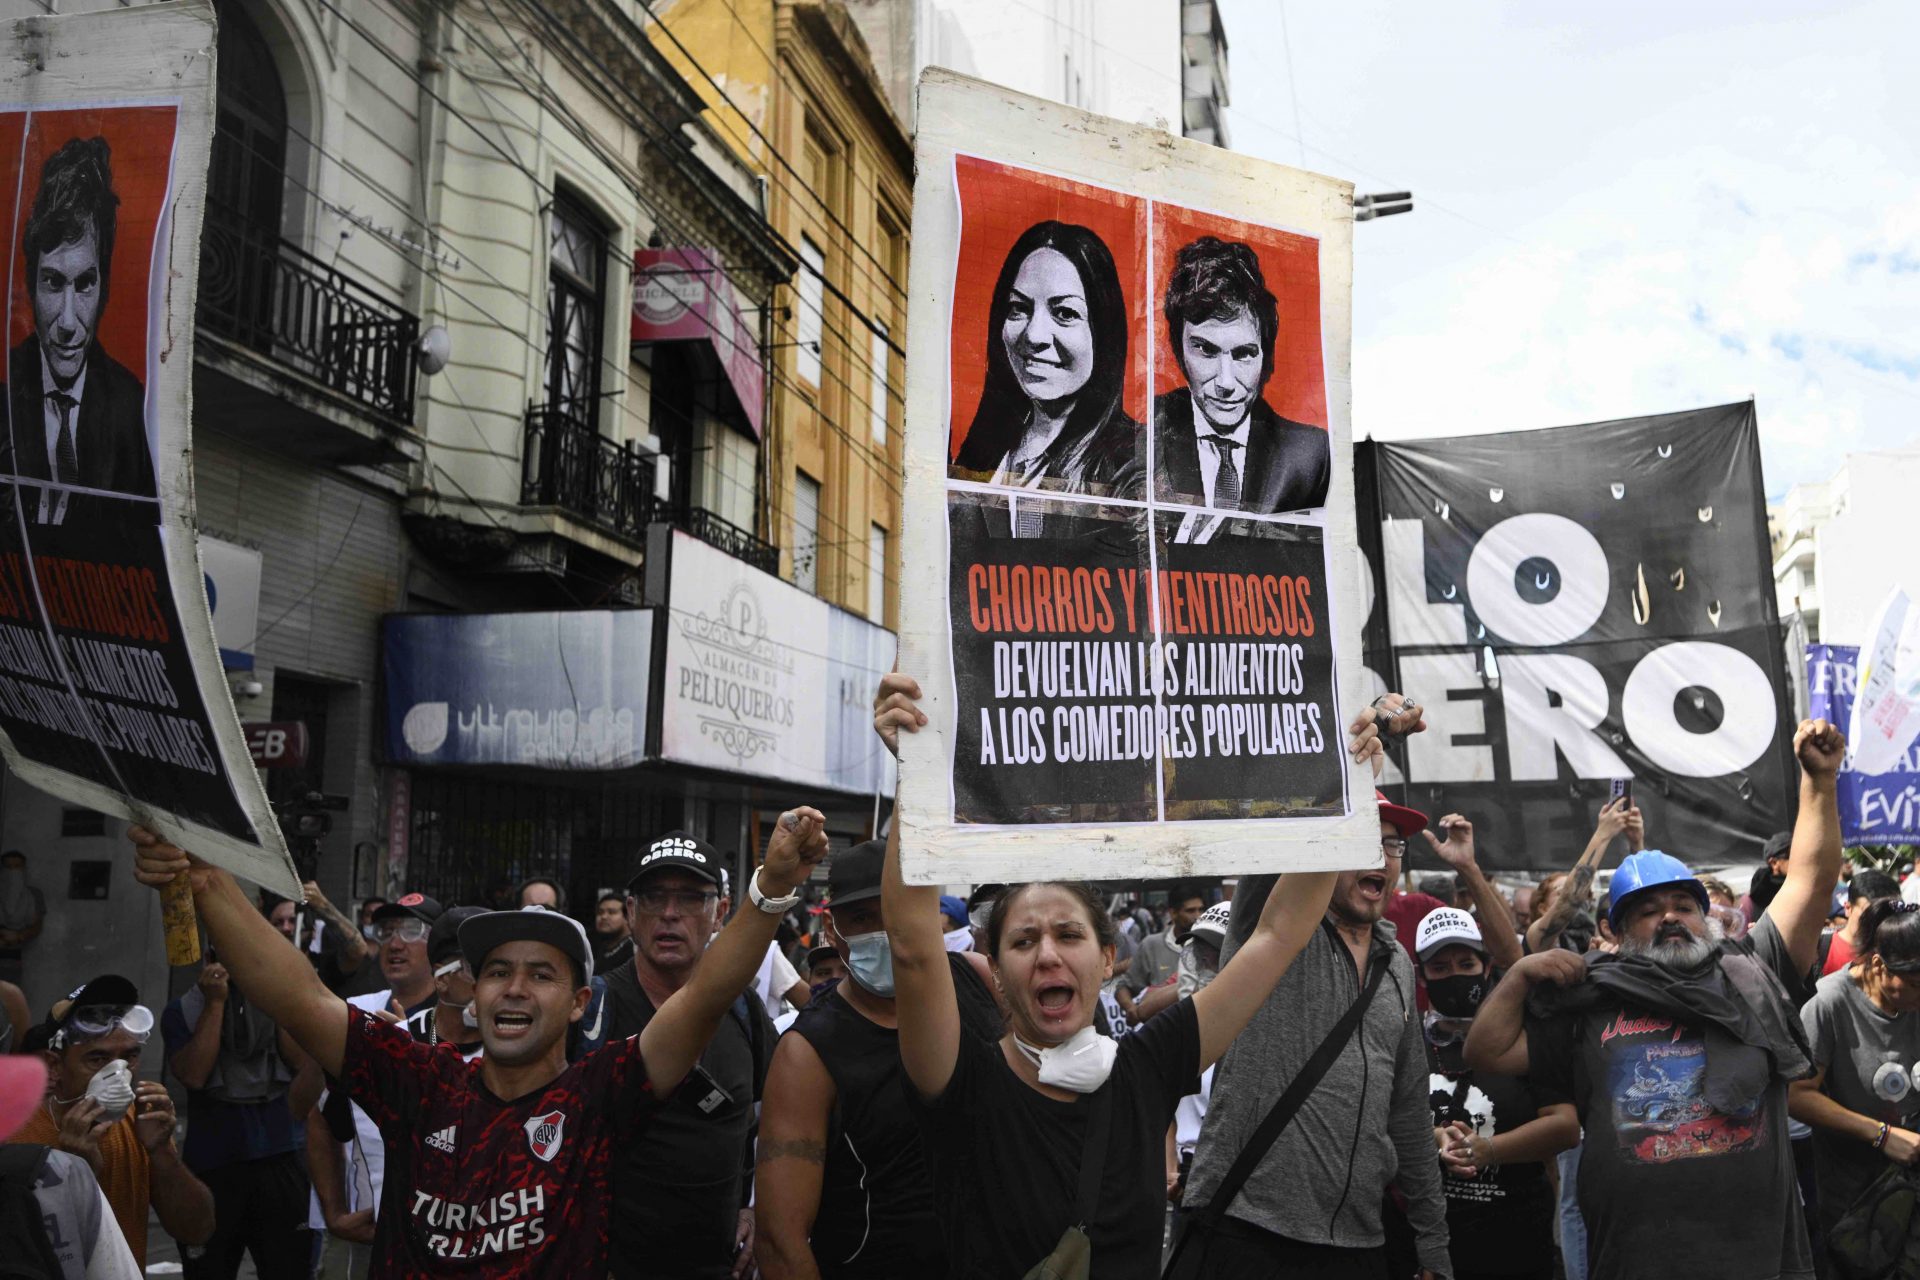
93 1021
405 930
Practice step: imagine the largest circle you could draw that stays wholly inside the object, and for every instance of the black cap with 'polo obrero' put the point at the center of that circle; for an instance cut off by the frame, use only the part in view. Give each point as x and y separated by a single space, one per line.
679 851
481 934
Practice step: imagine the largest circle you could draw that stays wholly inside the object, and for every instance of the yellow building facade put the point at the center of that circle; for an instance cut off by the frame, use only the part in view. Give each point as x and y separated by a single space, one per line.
791 86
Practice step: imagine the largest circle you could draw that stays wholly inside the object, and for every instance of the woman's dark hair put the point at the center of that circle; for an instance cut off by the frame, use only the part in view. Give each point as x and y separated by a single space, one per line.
1890 929
1002 415
1214 280
1104 929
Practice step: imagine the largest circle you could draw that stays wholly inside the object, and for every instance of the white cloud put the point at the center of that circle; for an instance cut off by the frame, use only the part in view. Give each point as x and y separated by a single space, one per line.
1621 210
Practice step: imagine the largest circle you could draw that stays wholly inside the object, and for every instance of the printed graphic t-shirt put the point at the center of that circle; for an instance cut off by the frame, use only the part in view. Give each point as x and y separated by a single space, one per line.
481 1186
1670 1185
1498 1223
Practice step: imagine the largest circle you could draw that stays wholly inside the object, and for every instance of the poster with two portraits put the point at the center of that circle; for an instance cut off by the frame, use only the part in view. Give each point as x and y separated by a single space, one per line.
112 694
1131 584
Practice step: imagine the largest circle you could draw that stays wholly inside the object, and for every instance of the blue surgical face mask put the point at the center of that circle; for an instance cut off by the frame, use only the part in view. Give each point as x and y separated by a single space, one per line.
870 962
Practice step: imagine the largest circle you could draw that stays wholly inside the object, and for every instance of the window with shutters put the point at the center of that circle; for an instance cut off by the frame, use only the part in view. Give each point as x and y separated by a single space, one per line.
806 532
576 301
810 321
877 575
878 404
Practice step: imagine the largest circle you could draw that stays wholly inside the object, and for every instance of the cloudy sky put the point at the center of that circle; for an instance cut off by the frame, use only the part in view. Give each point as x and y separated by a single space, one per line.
1622 208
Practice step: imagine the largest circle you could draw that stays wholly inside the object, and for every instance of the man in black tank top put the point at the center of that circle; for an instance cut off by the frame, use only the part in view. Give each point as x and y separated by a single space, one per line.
843 1186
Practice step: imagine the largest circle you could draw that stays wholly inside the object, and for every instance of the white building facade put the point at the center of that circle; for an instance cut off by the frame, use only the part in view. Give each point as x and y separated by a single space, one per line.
1840 545
1156 62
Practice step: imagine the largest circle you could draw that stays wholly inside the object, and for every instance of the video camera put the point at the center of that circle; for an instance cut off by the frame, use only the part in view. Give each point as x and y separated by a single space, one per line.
305 821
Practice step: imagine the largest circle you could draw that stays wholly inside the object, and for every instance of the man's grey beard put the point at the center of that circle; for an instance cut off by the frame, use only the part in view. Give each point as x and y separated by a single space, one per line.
1681 957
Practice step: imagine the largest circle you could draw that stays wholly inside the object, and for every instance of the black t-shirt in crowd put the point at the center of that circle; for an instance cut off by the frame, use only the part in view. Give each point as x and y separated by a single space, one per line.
876 1219
1670 1185
1498 1224
678 1190
1006 1158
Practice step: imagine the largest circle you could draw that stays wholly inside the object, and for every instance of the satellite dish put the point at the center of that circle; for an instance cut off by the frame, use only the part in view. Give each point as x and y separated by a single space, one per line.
434 348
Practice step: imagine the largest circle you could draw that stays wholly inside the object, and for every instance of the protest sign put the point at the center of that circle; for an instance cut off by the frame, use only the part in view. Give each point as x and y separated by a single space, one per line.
111 688
1886 710
1128 442
1576 605
1877 807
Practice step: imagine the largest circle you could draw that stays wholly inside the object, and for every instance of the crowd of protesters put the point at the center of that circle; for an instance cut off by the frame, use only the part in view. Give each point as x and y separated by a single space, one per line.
1311 1074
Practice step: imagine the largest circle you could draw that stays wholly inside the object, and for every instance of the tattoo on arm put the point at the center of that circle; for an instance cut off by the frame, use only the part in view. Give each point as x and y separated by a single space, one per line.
1575 893
798 1149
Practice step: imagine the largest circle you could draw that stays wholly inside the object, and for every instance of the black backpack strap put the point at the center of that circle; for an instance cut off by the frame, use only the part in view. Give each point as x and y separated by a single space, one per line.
1379 961
1093 1161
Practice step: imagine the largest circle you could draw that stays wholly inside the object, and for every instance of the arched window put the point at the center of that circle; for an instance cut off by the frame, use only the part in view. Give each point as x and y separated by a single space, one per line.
246 185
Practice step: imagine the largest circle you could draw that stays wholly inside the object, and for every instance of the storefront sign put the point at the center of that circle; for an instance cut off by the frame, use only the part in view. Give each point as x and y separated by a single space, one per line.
541 690
277 744
232 577
764 679
683 295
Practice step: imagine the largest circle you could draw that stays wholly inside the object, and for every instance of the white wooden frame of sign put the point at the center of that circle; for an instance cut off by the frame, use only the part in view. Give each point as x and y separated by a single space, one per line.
961 116
161 54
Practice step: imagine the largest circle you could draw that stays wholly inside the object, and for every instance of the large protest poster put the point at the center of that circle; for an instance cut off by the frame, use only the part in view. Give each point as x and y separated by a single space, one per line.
111 689
1881 807
1127 441
1576 605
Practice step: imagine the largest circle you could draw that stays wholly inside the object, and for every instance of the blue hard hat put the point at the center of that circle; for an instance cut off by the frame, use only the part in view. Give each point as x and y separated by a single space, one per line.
1650 869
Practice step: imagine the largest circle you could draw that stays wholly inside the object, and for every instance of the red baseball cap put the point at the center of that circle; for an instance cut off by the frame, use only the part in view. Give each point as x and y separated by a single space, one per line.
1406 821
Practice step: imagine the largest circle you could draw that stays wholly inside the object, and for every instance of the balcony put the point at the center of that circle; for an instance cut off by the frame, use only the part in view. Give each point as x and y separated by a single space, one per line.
570 465
724 535
284 307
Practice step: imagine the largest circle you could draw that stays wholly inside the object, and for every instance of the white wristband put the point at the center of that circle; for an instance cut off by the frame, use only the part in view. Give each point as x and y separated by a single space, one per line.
772 906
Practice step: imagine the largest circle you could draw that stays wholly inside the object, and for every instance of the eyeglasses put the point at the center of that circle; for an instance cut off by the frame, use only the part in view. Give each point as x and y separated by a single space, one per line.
654 901
1393 847
96 1020
406 930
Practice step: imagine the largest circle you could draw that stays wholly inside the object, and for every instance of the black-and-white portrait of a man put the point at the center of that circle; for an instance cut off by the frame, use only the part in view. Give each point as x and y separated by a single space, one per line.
78 415
1217 443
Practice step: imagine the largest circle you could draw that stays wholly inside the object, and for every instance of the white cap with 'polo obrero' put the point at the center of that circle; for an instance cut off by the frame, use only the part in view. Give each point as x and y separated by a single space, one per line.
1443 927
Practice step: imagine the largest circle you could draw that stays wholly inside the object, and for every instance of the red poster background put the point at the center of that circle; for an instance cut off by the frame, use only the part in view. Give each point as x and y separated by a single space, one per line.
1291 265
997 204
141 139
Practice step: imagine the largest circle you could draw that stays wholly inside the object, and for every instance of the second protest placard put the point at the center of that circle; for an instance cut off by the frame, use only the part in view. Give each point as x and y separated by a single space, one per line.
1128 445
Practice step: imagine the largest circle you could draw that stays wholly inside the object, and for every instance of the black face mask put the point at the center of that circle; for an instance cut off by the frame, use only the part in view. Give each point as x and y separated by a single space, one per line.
1458 996
820 989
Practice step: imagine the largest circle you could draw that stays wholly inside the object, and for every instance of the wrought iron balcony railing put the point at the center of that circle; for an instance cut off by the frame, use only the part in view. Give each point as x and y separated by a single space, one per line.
568 464
284 303
725 535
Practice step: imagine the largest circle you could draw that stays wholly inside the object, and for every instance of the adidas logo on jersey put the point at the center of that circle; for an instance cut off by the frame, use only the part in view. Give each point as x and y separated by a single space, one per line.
443 1140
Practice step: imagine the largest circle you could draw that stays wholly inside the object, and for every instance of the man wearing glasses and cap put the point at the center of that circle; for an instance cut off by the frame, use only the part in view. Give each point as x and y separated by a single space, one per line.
400 930
122 1128
680 1194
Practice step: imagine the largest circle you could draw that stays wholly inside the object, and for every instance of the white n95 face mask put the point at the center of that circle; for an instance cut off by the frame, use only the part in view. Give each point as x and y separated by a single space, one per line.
1080 1064
112 1088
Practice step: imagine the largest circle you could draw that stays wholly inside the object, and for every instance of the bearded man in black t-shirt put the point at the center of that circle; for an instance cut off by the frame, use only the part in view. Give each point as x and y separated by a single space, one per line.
1677 1052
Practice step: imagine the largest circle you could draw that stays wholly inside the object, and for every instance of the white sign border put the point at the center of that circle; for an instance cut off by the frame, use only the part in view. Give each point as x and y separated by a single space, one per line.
959 115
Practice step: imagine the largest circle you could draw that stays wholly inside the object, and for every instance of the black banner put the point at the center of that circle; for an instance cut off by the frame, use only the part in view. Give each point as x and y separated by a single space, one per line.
1576 605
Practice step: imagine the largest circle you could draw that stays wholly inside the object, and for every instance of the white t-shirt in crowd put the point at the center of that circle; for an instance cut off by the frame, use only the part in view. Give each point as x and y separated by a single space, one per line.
367 1156
776 977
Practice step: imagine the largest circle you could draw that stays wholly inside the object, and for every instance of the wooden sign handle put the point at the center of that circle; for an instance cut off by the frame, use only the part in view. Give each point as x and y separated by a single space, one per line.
181 922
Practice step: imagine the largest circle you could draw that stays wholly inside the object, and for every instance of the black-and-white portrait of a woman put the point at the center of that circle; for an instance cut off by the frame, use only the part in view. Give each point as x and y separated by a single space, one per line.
1050 414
